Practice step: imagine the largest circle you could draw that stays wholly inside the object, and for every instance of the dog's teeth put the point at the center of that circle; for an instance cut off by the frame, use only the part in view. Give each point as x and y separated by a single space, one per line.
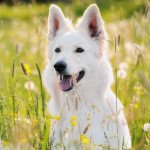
61 77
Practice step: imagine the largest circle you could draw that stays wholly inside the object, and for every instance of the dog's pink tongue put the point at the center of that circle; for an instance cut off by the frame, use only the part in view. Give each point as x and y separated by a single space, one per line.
65 84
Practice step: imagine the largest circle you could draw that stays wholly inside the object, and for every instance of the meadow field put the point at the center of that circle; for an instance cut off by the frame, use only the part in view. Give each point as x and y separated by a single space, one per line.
24 119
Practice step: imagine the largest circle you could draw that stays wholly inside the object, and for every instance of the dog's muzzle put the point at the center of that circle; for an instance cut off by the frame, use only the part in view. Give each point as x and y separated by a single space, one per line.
67 81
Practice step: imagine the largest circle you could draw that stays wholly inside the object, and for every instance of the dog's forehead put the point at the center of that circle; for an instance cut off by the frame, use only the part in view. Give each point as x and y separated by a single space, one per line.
73 38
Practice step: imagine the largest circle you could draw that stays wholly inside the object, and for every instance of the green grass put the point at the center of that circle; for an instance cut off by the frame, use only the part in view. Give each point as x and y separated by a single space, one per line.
23 116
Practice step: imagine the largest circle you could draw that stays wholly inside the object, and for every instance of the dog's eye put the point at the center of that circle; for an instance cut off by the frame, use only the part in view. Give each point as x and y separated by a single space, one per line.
57 50
79 50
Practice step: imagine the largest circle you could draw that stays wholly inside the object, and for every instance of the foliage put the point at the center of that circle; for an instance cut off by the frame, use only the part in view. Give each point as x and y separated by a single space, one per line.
24 120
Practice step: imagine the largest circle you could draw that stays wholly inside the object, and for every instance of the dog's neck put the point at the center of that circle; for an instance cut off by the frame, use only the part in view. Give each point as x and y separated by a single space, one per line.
86 96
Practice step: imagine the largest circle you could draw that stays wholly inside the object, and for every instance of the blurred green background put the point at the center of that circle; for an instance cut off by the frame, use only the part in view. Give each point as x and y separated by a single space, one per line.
24 120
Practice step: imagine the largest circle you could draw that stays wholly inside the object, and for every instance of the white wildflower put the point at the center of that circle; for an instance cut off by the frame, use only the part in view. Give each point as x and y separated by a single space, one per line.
123 65
29 85
146 127
122 73
128 46
27 121
34 72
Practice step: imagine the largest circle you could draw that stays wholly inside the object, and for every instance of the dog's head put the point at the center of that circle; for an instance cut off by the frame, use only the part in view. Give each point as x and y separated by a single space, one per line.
75 53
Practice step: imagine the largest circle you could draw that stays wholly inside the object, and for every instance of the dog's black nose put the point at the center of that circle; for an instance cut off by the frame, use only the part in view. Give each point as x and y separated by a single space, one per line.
60 66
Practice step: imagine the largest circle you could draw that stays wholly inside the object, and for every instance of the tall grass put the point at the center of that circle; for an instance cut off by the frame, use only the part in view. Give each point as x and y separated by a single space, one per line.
24 120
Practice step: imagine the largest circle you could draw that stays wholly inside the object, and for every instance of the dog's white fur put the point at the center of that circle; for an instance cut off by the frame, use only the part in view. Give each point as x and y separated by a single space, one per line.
92 99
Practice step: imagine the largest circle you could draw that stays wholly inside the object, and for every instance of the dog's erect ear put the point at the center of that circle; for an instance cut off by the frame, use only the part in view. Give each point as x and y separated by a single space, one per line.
92 23
56 22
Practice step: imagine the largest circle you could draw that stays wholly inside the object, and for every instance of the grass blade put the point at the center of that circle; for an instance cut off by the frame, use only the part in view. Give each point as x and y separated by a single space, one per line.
42 90
23 69
13 68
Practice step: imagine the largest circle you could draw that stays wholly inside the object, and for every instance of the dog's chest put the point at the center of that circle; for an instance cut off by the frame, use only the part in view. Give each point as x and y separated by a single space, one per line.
81 118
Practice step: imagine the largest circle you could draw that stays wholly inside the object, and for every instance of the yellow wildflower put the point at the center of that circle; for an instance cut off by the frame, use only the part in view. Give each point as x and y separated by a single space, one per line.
73 121
138 90
35 121
57 117
23 140
5 143
74 118
84 139
27 68
136 106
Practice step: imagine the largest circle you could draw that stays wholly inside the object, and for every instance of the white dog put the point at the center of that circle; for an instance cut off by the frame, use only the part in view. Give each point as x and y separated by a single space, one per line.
78 77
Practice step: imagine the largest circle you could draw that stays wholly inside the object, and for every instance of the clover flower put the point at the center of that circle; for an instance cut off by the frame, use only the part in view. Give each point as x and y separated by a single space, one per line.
146 127
122 73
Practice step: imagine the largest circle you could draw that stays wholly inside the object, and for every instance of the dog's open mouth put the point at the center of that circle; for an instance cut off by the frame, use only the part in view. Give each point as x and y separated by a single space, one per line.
67 82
